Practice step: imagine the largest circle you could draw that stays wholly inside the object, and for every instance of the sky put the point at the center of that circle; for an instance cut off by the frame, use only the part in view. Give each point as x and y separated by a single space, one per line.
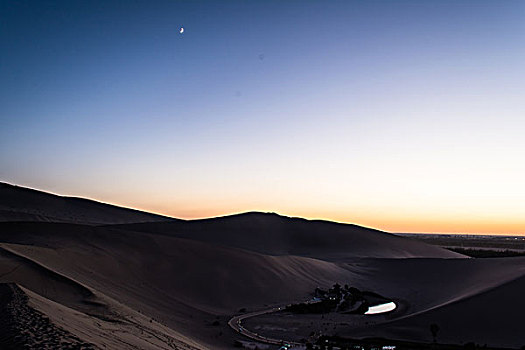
406 116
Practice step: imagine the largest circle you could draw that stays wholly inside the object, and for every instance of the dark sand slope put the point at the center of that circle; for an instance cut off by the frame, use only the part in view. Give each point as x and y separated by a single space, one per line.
279 235
23 327
174 268
122 328
493 316
477 300
420 285
182 283
471 300
84 313
24 204
52 285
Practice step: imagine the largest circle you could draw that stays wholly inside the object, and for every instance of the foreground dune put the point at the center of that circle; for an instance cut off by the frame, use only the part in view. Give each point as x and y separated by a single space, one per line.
176 281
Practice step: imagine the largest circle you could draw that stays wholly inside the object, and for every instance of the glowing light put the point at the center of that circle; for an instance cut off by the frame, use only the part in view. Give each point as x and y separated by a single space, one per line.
181 30
382 308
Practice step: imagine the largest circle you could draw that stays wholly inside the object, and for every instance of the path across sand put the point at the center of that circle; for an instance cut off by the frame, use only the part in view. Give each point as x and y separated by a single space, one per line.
235 324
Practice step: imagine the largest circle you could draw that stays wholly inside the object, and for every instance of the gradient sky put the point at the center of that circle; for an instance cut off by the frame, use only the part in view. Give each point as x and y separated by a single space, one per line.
408 116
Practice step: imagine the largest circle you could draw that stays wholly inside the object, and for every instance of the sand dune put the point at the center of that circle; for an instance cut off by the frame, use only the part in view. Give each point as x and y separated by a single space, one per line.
474 300
491 315
16 268
425 284
23 327
24 204
180 282
184 269
108 277
273 234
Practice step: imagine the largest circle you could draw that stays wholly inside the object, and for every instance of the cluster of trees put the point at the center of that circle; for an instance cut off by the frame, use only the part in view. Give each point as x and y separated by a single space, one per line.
322 307
337 298
487 253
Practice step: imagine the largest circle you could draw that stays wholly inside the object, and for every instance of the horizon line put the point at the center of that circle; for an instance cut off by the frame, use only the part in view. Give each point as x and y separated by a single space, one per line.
228 214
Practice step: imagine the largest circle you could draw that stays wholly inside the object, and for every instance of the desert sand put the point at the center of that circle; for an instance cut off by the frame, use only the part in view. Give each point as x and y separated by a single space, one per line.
101 276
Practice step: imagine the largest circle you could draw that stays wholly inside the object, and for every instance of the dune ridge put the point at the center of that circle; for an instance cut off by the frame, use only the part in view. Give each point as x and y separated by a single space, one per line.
273 234
24 204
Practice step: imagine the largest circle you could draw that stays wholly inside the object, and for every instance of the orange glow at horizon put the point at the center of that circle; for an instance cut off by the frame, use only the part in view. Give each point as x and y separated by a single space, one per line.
433 218
387 223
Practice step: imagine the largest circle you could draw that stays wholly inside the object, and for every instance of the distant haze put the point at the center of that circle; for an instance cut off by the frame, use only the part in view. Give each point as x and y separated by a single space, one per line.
406 116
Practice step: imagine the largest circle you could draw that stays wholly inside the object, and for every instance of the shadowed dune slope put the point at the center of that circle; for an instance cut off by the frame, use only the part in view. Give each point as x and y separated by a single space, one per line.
492 316
30 321
471 300
181 270
24 204
22 327
420 285
273 234
185 284
18 269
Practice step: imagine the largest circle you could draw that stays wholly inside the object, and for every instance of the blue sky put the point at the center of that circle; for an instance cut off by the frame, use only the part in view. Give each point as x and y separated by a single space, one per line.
405 115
